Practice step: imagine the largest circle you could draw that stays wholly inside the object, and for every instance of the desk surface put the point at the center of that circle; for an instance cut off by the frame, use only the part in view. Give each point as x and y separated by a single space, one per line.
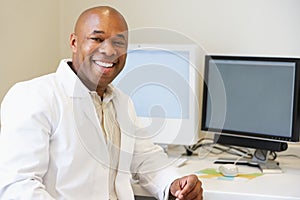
284 186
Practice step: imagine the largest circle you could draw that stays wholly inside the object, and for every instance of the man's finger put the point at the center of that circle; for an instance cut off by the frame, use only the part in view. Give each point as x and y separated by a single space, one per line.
191 182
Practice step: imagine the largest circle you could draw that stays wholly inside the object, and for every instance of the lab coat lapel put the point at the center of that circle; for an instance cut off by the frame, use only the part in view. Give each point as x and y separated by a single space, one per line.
123 185
89 131
87 124
127 131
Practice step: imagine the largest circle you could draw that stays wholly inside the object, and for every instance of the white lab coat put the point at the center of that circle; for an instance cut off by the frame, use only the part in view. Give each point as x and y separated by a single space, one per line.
52 147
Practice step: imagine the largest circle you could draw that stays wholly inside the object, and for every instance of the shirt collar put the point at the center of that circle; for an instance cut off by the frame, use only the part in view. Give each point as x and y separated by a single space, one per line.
108 94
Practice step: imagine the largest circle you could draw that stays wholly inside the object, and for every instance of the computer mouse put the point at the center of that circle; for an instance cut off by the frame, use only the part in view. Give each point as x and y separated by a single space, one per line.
230 170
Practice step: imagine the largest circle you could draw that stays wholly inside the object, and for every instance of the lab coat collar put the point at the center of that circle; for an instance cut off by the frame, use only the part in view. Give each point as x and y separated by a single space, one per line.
70 81
73 85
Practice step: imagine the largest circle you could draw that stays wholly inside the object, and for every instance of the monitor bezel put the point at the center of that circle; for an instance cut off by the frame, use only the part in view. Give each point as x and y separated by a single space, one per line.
296 101
175 131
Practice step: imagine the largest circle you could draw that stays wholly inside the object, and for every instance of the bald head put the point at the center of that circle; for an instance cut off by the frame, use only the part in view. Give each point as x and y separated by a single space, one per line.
104 12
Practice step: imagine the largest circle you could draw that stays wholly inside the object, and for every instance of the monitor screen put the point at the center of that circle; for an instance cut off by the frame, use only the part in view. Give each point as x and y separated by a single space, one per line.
252 97
161 81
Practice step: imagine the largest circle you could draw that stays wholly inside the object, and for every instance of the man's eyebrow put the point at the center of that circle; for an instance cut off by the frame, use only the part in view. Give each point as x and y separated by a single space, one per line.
120 35
97 31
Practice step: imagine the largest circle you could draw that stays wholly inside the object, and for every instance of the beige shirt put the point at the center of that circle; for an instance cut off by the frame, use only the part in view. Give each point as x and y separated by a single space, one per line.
111 130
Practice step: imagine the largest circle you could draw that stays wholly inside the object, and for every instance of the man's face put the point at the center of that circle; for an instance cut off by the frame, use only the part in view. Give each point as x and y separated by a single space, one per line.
99 49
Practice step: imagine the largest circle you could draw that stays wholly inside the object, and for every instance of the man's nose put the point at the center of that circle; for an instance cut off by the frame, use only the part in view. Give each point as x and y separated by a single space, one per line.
107 48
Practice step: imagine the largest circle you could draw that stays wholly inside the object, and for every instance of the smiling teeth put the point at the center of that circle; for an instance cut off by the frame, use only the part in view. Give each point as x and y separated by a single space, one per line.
104 64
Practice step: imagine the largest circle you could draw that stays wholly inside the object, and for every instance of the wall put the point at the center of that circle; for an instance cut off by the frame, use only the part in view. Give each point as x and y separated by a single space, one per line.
29 40
256 27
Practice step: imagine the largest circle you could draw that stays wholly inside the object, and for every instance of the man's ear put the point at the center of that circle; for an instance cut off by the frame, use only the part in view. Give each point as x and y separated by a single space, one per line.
73 42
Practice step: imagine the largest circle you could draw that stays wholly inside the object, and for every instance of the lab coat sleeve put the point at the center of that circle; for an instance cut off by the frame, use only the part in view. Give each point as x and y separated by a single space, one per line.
151 165
24 143
153 169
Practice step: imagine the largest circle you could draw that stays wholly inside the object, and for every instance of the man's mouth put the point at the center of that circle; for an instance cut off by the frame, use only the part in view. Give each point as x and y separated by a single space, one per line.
104 64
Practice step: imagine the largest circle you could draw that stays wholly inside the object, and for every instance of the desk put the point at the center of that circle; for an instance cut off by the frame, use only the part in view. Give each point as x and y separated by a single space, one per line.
285 186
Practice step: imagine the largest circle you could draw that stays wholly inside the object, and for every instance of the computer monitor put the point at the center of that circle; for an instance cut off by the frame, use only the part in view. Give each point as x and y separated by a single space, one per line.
252 102
162 80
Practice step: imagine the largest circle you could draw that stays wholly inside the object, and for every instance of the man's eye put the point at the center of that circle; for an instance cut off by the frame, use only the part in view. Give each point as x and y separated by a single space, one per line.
96 39
119 43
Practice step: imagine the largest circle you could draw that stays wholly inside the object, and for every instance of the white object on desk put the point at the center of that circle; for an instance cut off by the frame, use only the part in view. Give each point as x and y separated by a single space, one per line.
230 170
180 162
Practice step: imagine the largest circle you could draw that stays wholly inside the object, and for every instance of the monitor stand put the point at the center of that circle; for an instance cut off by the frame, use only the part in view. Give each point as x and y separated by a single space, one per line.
266 166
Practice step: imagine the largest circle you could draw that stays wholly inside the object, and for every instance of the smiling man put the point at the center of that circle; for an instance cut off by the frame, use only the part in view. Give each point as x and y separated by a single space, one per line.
72 135
99 47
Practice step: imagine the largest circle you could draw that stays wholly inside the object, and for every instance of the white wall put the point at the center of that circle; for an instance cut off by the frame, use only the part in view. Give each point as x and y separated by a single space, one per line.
251 27
29 40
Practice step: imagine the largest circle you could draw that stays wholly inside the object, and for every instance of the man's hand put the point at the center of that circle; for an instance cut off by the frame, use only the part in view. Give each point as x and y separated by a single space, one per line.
187 188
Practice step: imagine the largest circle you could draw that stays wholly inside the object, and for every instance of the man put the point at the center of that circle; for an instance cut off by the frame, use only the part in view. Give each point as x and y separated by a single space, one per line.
72 135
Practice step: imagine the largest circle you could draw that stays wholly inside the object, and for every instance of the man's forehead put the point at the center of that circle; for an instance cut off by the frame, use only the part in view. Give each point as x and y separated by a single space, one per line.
99 21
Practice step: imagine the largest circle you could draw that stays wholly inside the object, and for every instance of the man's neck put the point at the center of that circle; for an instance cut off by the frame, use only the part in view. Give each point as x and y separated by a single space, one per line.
100 90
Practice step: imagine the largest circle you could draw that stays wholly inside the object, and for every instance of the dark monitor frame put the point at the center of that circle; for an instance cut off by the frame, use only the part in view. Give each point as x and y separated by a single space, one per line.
254 140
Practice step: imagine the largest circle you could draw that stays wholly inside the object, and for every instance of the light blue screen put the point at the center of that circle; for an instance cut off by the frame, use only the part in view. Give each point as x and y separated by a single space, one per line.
158 82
